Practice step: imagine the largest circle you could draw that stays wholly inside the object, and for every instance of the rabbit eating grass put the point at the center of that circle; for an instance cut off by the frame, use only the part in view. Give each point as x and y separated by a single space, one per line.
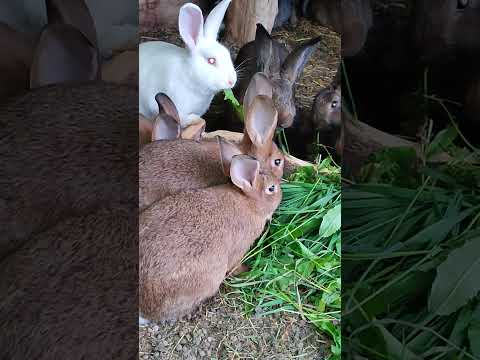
190 241
192 76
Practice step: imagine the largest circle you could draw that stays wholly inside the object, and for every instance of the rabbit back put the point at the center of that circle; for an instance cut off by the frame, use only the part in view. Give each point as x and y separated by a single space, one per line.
188 242
173 166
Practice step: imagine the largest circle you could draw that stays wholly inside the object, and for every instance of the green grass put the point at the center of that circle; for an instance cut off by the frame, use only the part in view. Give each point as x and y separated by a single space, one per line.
295 265
411 250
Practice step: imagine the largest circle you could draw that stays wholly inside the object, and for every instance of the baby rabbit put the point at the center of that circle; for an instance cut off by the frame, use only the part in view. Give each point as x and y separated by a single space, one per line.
166 125
170 167
182 263
326 109
192 76
283 69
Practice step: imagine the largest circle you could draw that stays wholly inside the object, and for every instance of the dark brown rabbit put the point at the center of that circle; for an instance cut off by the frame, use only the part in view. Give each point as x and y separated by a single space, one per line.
190 241
281 67
170 167
350 18
15 61
447 38
326 109
81 118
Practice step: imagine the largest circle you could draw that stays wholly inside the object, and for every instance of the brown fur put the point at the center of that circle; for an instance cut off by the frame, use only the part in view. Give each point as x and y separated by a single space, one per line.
78 121
15 61
189 241
283 69
166 126
71 291
350 18
170 167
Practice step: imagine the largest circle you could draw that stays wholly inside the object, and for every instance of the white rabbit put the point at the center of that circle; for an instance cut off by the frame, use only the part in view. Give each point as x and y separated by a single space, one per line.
191 76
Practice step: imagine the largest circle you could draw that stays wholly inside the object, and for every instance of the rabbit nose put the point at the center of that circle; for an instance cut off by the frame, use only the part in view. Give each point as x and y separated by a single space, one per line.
230 82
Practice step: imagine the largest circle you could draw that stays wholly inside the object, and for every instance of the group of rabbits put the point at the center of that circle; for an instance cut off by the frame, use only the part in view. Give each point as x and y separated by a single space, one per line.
203 201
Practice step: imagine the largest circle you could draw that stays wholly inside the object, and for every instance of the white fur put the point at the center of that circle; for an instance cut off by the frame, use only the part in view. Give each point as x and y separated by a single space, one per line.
184 74
142 321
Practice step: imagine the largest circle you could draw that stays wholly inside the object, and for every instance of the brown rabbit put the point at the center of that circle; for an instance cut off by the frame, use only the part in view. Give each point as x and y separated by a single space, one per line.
166 125
81 118
170 167
282 68
190 241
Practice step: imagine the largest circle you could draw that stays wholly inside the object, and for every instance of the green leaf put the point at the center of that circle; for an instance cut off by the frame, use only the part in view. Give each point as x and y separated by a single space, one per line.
459 331
331 222
474 332
234 102
457 279
394 348
442 141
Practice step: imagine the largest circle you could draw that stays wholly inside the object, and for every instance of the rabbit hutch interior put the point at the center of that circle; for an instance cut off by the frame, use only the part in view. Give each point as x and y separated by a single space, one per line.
254 81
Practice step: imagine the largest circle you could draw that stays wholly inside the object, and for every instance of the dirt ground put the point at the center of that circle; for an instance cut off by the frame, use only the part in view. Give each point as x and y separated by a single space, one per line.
219 329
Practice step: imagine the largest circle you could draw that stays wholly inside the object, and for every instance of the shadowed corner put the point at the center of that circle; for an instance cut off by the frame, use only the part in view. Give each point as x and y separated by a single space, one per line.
410 224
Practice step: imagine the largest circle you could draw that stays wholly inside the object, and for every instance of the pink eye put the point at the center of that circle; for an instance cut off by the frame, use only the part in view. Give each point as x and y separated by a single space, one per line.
211 61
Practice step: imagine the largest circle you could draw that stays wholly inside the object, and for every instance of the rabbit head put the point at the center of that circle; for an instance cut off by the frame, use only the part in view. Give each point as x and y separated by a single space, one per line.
326 111
282 72
260 124
209 61
263 188
166 125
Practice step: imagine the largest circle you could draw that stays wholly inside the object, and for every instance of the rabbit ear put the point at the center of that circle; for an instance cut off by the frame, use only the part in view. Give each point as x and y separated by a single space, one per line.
296 61
194 131
227 152
214 19
261 121
165 128
63 54
244 171
259 85
263 49
190 24
72 12
167 107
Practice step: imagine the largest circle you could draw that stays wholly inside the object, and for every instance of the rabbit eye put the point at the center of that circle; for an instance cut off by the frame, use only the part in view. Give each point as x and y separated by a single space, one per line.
278 162
211 61
462 4
334 104
271 189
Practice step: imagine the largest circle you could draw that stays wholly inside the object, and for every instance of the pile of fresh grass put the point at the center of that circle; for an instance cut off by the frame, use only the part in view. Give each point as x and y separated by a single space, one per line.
411 256
295 265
